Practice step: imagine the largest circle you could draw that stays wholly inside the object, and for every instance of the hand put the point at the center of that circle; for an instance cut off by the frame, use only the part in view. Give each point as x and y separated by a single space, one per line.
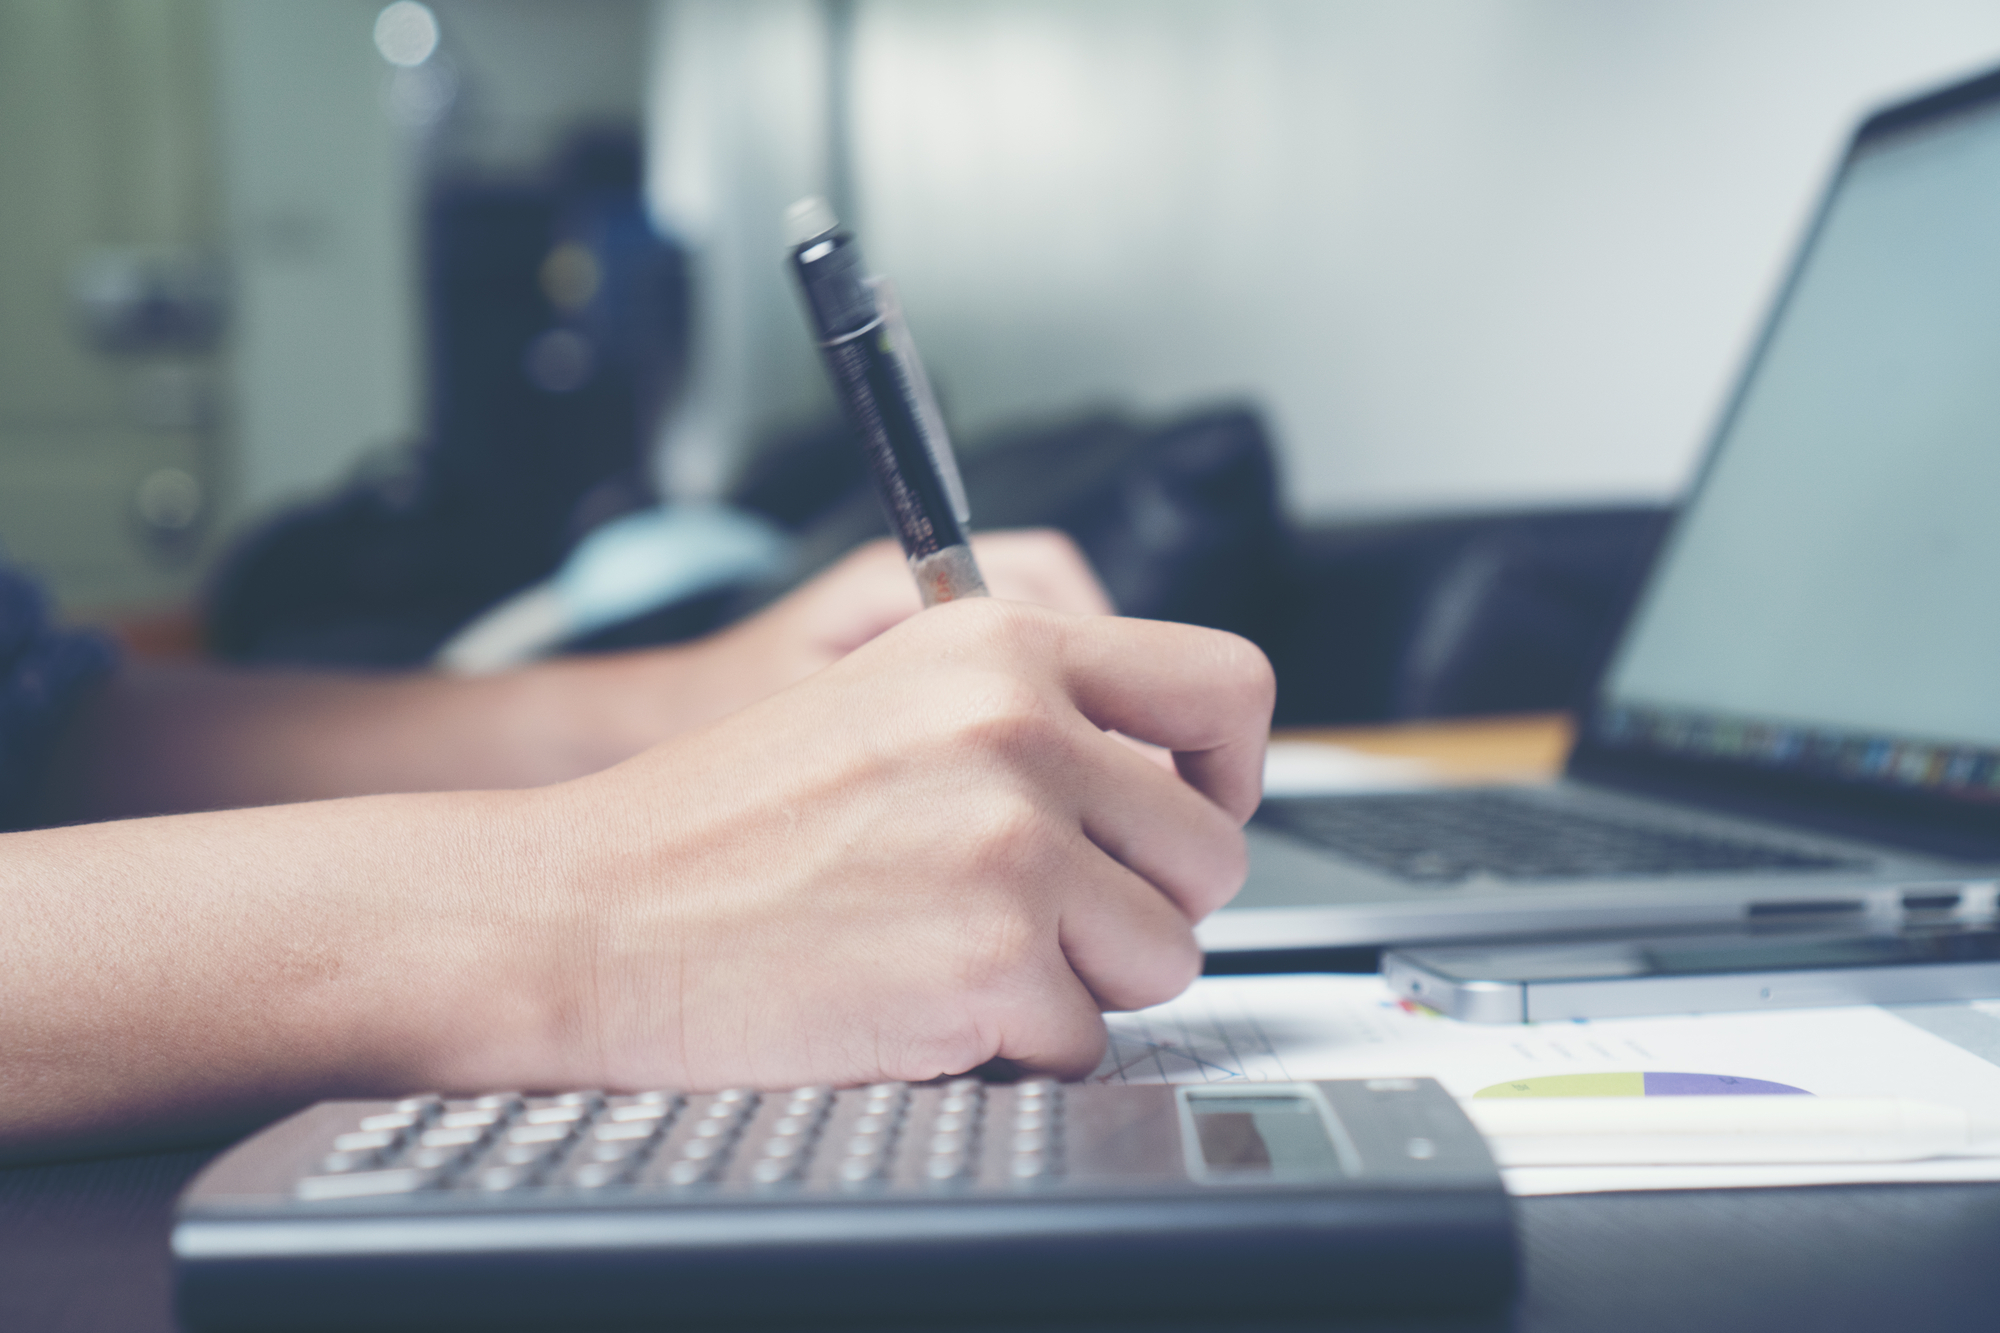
927 856
870 590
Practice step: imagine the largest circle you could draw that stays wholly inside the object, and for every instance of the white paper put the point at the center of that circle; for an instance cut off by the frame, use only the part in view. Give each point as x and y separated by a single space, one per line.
1323 1027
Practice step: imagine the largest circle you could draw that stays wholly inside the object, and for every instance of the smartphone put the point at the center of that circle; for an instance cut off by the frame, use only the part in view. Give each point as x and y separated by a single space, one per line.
1683 974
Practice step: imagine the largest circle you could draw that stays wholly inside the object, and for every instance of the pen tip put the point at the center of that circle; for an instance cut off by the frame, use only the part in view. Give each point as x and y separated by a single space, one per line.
809 217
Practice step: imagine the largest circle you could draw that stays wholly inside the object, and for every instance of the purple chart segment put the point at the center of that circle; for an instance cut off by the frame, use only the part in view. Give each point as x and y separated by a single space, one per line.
1715 1085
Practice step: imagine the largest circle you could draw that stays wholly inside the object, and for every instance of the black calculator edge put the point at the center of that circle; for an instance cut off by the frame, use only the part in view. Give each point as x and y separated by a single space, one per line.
1365 1246
1358 1251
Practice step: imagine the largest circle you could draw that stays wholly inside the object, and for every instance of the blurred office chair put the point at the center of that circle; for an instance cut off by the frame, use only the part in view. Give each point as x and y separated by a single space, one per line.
1456 616
557 326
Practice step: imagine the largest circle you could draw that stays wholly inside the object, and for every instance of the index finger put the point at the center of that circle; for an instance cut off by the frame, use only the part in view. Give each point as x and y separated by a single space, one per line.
1204 694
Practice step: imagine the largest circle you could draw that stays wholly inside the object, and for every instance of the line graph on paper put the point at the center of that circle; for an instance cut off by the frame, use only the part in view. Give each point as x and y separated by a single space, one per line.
1206 1036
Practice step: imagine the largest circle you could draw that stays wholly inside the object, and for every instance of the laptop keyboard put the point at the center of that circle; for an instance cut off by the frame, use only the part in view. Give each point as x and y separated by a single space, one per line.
1446 837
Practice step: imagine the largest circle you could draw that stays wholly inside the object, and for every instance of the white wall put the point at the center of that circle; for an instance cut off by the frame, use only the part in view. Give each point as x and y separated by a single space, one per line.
1466 253
318 184
736 132
322 181
531 71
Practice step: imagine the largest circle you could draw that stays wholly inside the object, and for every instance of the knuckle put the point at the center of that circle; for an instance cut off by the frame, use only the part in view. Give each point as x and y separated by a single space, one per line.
1002 941
1006 716
994 847
1002 623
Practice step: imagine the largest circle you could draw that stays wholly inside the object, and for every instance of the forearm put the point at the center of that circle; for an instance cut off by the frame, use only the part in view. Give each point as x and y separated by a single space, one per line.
164 741
170 979
199 738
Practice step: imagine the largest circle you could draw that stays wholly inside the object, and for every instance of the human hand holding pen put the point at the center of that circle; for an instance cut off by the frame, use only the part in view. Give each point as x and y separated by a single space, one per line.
927 855
953 863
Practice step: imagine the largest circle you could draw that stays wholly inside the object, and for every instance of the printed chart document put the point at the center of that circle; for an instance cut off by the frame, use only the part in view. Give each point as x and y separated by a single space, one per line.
1227 1029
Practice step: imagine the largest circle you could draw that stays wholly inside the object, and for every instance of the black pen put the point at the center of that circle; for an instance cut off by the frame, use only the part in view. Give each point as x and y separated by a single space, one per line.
875 372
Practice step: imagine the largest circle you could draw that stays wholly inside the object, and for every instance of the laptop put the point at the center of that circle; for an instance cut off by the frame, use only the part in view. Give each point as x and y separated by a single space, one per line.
1800 717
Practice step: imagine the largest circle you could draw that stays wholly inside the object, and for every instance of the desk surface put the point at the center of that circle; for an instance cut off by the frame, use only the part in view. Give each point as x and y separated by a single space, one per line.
83 1246
83 1249
1489 749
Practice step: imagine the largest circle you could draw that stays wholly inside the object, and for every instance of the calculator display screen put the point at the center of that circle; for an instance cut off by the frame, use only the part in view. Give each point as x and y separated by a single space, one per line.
1276 1136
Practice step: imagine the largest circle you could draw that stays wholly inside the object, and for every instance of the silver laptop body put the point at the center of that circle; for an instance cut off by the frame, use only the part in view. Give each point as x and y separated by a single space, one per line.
1801 716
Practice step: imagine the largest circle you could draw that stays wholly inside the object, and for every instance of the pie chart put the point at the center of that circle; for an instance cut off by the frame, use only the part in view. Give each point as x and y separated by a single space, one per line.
1651 1084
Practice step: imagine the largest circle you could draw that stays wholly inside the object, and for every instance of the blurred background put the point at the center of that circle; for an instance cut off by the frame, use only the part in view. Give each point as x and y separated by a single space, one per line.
1382 332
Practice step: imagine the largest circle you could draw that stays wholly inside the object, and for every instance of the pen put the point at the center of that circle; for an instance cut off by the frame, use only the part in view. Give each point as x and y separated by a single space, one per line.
1662 1131
875 372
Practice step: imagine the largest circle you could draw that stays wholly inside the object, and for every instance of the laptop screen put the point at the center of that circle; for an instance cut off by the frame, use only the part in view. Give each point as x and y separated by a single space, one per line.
1829 602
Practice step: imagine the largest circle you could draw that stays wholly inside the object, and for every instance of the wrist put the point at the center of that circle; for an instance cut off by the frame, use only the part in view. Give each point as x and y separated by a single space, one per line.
454 948
580 715
515 974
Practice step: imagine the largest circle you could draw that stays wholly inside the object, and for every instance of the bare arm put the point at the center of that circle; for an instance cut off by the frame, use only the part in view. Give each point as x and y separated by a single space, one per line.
926 856
204 738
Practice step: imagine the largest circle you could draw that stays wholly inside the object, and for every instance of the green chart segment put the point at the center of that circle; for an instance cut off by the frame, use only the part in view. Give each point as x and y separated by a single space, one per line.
1657 1084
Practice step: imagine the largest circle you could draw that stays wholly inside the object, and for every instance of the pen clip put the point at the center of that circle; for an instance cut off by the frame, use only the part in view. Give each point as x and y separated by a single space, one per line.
937 442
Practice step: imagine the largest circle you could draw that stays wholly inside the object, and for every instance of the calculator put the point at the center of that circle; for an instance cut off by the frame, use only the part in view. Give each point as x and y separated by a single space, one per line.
949 1200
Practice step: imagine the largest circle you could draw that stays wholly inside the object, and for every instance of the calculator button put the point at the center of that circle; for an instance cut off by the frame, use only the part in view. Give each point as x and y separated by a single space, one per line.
1028 1166
362 1184
434 1159
638 1111
965 1087
743 1097
948 1143
950 1121
945 1166
1025 1120
496 1178
539 1133
596 1175
422 1106
625 1131
391 1120
336 1162
1035 1087
474 1119
367 1140
588 1100
686 1173
857 1170
774 1171
450 1138
785 1148
554 1115
525 1154
702 1150
506 1103
610 1152
1030 1140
